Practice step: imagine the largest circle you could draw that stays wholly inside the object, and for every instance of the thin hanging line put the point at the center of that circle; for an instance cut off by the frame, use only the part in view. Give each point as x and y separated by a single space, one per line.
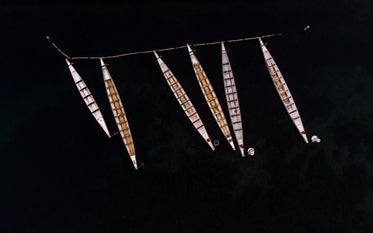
58 49
157 50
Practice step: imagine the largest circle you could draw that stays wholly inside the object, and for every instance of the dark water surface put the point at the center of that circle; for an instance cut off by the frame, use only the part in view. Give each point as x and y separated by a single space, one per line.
60 173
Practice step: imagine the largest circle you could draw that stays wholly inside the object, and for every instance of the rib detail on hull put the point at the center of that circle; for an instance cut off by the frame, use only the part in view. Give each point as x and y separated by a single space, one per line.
119 114
184 101
88 98
232 99
283 90
210 97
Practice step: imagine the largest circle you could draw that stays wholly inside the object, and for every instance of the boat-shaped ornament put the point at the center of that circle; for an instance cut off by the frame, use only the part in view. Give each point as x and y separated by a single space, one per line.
210 97
119 114
88 98
283 90
184 101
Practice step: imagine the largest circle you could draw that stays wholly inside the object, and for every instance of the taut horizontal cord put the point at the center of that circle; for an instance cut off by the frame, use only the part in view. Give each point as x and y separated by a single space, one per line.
157 50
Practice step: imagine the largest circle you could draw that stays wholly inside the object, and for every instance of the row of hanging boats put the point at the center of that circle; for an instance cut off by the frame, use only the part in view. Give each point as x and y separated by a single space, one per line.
186 104
210 97
116 107
184 101
88 98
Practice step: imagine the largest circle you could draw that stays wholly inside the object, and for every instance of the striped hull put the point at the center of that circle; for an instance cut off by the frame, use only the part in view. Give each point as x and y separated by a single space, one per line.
119 114
184 101
88 98
210 97
283 91
232 99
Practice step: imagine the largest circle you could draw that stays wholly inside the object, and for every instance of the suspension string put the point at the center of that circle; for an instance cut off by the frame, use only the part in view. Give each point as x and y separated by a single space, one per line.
203 44
157 50
58 49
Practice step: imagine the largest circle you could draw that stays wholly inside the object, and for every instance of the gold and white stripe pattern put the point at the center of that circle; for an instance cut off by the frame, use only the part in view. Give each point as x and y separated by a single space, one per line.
184 100
283 90
210 97
119 114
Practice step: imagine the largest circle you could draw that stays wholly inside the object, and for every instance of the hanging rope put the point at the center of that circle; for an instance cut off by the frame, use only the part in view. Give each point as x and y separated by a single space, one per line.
157 50
54 45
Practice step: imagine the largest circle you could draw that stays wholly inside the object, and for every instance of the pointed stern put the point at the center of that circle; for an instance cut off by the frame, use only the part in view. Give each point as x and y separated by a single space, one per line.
192 56
102 62
67 61
232 143
222 46
189 49
260 41
304 135
134 161
156 54
242 150
73 72
105 71
210 144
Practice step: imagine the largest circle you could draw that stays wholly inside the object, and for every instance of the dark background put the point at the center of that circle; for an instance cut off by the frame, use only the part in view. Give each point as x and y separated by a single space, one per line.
60 173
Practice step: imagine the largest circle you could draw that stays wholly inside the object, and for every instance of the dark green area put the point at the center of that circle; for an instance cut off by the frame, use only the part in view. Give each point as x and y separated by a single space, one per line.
61 174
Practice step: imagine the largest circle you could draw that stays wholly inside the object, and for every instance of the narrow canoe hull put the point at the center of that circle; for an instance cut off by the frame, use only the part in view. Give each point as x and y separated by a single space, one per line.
211 97
119 114
88 98
184 101
283 91
232 99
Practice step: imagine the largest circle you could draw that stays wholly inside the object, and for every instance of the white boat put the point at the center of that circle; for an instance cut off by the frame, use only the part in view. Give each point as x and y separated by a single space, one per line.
283 90
184 101
119 114
232 99
210 97
88 98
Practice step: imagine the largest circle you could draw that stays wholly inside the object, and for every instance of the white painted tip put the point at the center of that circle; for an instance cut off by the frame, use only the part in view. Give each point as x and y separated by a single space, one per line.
251 151
107 132
133 158
102 62
222 46
102 123
232 145
260 41
314 138
189 49
156 54
242 152
305 137
211 145
67 61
